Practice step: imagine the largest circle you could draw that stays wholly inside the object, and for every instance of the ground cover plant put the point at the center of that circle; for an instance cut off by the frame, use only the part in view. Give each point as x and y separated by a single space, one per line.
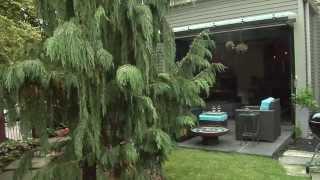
11 150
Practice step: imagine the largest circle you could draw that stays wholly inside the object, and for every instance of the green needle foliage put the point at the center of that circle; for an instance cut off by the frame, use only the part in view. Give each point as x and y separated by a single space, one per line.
107 70
19 32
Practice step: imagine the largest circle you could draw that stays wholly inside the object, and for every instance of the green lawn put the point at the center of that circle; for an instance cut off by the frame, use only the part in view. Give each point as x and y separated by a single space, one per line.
201 165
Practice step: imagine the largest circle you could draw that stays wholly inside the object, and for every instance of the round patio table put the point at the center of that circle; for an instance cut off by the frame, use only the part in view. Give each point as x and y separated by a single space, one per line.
210 135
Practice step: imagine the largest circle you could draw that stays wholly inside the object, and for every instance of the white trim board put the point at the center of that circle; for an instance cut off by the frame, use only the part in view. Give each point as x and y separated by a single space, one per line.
289 15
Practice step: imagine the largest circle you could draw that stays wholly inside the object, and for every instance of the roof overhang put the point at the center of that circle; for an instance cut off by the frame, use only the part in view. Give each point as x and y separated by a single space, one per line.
275 17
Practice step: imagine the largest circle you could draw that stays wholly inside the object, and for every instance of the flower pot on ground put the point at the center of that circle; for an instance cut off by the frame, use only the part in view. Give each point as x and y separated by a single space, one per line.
302 118
306 105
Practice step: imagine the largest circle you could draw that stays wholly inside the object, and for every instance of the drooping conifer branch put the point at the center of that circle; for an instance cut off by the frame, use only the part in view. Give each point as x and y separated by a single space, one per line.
108 72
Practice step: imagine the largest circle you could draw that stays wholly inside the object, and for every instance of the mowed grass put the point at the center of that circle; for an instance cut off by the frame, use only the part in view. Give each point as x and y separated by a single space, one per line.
185 164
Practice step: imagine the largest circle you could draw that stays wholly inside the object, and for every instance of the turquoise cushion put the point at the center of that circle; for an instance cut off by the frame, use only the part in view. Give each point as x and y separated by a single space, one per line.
265 104
213 117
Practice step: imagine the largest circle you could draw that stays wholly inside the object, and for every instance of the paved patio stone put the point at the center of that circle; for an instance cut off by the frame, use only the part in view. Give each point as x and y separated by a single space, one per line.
294 162
296 170
296 153
294 157
228 143
315 176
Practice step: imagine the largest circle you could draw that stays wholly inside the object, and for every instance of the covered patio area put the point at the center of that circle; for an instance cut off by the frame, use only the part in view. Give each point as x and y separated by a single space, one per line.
228 143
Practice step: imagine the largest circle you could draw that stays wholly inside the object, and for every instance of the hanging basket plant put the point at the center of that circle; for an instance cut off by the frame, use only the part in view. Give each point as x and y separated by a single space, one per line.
230 45
242 48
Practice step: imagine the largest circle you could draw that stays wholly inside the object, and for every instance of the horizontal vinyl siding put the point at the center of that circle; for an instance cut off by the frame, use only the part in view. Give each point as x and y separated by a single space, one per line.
217 10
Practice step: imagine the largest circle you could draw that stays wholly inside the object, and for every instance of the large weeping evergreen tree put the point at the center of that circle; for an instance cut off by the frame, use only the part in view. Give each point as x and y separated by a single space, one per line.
107 70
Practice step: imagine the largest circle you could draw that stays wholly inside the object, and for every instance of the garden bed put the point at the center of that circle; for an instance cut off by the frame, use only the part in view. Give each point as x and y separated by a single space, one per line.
12 150
303 144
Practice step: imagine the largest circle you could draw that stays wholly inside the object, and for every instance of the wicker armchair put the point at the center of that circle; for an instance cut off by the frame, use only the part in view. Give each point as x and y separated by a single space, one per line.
270 127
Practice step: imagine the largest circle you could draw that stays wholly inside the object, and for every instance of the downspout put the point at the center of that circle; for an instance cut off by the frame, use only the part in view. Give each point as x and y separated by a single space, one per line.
301 65
308 43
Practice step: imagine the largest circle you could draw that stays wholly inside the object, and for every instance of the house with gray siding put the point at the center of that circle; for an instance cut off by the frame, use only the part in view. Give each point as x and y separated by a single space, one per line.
281 40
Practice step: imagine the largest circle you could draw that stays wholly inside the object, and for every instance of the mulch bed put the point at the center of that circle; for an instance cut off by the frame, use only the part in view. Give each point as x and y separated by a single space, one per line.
304 144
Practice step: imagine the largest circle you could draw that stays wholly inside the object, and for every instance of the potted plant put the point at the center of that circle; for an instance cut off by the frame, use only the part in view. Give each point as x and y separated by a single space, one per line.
306 105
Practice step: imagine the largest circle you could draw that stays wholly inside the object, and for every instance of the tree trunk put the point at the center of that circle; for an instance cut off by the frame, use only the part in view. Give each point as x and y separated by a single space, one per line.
2 127
89 172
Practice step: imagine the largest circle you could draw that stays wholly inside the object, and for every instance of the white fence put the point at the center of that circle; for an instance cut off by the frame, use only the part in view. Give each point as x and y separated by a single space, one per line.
13 132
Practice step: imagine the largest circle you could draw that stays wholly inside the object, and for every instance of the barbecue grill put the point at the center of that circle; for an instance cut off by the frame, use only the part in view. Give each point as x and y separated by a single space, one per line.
314 124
